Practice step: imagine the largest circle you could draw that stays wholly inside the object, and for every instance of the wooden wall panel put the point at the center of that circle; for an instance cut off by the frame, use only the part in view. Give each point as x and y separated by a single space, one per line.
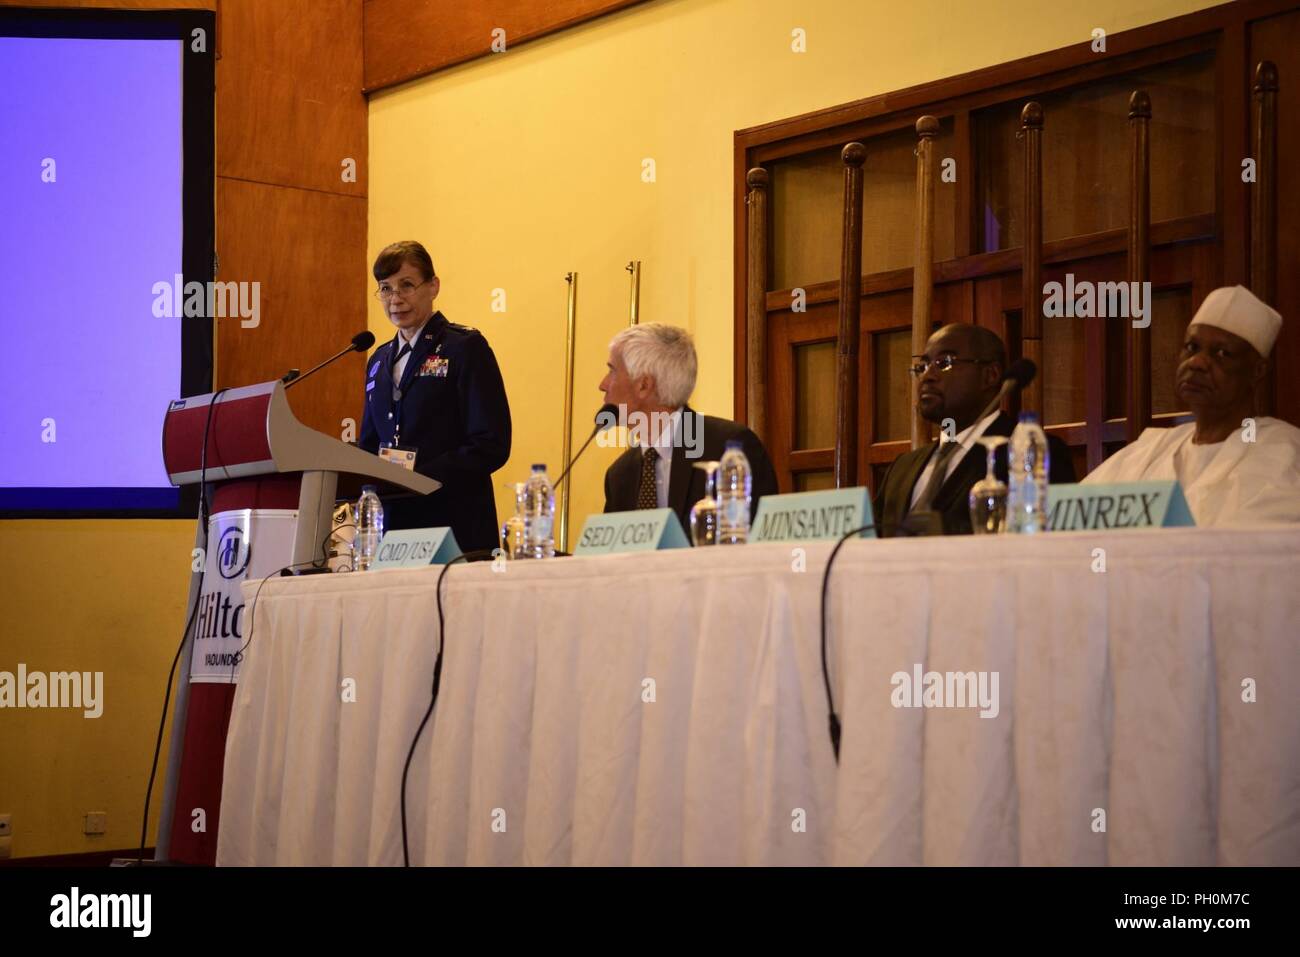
410 38
289 110
118 4
289 102
308 251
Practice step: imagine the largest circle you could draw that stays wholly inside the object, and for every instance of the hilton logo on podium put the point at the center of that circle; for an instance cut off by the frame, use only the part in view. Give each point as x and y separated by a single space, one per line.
232 552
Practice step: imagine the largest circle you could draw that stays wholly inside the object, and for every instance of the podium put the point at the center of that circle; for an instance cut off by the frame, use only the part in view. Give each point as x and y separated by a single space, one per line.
273 485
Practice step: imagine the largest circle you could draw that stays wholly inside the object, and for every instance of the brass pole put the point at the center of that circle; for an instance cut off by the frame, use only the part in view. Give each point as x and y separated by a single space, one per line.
634 307
572 280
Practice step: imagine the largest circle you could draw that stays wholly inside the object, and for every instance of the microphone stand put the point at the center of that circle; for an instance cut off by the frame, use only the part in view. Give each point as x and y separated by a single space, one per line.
574 461
320 365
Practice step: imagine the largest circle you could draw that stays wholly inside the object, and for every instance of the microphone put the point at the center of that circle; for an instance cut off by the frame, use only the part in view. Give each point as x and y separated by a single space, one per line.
1018 375
606 419
360 343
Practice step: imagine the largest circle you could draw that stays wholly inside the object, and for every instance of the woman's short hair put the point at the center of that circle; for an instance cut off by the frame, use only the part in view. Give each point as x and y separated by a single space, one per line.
391 258
666 353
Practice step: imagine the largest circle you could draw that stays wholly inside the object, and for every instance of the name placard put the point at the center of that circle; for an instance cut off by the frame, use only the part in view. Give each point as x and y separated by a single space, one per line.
412 547
646 530
812 516
1117 505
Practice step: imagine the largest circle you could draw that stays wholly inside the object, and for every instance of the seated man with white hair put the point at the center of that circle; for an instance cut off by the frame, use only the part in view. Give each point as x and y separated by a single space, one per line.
1234 468
651 376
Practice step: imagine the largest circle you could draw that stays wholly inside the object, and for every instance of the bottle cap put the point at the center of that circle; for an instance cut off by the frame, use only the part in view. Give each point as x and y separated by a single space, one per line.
541 467
1029 417
368 488
735 444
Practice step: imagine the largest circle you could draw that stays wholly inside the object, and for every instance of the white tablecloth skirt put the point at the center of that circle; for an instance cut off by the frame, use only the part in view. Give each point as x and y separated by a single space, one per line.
1121 737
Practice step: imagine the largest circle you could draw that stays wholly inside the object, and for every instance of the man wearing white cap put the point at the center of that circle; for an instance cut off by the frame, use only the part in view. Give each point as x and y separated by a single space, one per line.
1234 468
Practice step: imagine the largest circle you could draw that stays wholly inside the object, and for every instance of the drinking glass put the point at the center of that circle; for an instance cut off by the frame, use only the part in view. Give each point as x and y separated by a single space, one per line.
513 544
988 496
705 512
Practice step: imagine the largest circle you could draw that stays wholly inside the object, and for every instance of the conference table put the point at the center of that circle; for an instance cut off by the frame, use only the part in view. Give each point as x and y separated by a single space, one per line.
1077 698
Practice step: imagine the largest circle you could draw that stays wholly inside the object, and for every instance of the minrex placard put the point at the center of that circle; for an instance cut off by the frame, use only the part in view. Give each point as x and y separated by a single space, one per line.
412 547
812 516
642 531
1082 507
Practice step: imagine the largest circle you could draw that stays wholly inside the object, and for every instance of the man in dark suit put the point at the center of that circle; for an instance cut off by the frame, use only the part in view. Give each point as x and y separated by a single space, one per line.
435 389
651 375
957 377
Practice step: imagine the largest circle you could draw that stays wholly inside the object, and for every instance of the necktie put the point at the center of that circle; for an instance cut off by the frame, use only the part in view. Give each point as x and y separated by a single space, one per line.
647 495
397 393
946 451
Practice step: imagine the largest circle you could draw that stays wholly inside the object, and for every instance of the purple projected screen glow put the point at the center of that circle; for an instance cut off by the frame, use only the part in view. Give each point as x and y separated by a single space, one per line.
90 220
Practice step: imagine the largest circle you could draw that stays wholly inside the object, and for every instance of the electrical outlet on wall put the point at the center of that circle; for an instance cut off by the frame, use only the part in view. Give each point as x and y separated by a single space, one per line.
96 822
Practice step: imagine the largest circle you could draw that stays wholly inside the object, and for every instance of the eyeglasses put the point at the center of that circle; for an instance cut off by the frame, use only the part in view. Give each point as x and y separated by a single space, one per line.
942 364
403 289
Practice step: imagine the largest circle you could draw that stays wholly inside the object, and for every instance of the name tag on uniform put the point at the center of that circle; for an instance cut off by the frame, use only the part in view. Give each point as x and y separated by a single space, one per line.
435 366
398 456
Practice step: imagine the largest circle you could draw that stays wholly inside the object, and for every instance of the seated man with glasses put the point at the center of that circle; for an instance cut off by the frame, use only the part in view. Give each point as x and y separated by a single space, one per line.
957 377
435 392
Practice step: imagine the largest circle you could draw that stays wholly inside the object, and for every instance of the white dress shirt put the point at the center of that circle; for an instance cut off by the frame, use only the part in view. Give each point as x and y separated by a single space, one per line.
663 467
400 366
965 440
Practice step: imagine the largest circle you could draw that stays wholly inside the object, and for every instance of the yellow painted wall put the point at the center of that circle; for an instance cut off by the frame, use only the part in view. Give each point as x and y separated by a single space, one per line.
103 595
519 167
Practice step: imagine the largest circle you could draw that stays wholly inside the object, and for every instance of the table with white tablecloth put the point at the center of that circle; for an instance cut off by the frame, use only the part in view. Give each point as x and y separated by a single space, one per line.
669 707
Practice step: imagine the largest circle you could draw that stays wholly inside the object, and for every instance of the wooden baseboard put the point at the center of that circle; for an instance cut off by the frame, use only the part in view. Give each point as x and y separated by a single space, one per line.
87 859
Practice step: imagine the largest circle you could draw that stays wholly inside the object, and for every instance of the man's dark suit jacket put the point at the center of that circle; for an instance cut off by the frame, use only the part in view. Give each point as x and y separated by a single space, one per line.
953 500
685 482
454 412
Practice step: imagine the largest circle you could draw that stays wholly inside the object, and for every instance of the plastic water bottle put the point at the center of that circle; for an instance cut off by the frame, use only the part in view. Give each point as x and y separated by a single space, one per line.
370 529
734 483
539 515
1027 468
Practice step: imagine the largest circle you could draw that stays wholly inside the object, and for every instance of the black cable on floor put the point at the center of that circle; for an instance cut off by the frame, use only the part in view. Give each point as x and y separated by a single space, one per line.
437 682
833 718
198 596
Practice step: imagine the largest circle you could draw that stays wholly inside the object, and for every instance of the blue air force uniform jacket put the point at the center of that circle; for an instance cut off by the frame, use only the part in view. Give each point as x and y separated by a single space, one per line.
452 408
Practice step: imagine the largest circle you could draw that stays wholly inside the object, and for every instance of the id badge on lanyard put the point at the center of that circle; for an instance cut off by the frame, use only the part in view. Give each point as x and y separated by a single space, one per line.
398 455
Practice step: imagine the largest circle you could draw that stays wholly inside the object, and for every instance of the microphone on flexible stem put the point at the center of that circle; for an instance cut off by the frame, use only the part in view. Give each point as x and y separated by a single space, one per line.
606 419
360 343
921 519
1018 375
